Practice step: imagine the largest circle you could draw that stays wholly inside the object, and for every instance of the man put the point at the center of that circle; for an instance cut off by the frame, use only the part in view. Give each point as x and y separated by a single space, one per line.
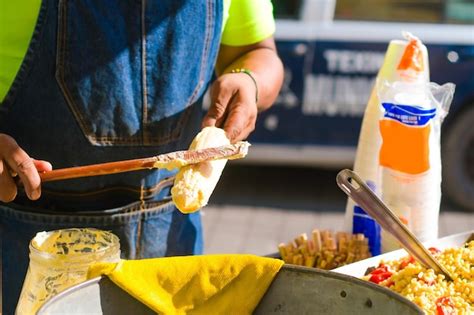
111 80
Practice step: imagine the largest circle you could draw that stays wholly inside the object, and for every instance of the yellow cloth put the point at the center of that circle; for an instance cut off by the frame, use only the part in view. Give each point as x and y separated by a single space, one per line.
208 284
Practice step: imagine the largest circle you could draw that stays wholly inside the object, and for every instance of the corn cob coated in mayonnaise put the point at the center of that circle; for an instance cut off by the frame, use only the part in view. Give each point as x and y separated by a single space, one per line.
195 183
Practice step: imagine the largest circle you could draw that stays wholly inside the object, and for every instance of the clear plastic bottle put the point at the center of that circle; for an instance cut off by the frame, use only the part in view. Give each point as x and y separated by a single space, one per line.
60 259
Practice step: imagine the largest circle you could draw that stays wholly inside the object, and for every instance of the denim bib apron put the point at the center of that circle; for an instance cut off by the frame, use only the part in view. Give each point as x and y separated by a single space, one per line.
107 81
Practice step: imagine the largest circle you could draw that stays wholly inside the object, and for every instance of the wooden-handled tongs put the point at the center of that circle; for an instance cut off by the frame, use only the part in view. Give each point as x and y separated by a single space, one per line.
168 160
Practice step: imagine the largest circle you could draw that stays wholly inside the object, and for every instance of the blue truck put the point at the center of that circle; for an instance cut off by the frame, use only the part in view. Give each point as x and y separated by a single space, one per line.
332 50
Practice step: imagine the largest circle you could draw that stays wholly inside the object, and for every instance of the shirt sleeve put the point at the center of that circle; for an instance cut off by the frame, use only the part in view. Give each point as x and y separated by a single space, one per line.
249 22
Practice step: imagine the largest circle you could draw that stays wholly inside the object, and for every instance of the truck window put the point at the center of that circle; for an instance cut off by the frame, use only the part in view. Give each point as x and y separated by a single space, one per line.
415 11
286 9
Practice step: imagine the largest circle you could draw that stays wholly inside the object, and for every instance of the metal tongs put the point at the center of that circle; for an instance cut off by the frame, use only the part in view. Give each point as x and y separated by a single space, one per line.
169 161
355 188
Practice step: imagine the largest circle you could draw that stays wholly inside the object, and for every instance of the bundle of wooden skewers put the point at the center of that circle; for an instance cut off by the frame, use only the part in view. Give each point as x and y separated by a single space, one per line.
325 250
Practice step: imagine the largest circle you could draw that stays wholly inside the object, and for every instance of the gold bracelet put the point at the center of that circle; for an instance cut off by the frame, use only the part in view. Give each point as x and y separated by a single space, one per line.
249 73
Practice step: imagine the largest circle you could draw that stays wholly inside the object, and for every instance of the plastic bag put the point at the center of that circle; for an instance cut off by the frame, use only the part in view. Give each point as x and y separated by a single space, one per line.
410 154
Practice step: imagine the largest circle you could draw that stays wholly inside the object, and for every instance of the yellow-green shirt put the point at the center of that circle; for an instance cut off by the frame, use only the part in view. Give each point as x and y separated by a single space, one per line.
244 22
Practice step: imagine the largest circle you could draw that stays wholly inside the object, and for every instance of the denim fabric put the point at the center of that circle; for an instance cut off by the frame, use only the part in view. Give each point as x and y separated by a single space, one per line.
105 81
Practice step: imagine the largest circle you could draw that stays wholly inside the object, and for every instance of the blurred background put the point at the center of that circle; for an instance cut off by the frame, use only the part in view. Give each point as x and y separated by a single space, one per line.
332 50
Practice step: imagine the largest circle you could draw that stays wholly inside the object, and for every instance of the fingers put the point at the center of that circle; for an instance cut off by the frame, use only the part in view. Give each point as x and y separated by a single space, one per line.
220 98
24 166
241 117
240 122
42 166
20 163
8 189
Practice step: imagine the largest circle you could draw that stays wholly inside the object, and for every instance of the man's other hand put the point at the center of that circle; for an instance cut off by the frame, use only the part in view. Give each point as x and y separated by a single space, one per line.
15 162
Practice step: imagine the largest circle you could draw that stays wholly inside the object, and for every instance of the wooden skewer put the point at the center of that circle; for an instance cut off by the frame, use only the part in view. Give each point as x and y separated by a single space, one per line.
283 253
317 239
298 259
311 247
309 261
325 235
301 239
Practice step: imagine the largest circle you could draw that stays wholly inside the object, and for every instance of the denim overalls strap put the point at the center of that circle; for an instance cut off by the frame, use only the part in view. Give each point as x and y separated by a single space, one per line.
106 81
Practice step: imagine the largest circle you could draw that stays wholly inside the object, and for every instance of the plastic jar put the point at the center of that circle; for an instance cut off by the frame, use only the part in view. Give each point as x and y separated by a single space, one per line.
60 259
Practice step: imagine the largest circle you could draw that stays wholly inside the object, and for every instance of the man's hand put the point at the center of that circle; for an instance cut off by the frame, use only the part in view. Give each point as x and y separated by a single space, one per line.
15 161
233 95
233 105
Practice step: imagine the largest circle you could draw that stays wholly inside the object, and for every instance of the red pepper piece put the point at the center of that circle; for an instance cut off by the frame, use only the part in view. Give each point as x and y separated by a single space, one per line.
445 306
434 250
379 277
379 270
406 262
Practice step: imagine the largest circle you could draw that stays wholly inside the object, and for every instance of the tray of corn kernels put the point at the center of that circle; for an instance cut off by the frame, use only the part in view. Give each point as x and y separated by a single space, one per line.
399 272
325 249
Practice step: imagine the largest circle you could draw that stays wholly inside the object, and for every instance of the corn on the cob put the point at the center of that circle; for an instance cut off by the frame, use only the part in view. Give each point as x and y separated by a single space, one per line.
195 183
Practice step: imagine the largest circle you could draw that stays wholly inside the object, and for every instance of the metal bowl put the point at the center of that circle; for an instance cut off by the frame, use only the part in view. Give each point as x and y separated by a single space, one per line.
295 290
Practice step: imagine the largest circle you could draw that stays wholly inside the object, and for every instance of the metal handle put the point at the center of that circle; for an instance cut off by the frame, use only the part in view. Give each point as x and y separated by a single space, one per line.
356 189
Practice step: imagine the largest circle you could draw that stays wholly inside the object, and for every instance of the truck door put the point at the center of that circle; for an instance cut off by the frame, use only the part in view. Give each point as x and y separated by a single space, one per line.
282 123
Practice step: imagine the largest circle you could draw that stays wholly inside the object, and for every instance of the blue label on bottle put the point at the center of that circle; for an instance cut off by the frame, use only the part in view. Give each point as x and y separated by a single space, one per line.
409 114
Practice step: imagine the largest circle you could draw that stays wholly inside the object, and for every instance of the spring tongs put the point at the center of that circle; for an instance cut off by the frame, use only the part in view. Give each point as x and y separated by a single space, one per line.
356 189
